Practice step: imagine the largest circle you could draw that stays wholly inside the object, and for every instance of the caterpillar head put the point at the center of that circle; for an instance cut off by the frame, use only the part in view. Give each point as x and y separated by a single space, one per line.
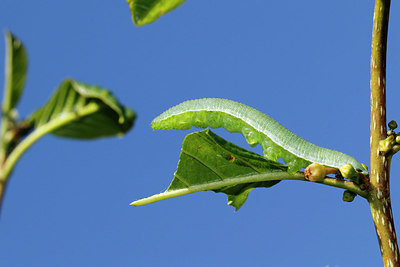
361 168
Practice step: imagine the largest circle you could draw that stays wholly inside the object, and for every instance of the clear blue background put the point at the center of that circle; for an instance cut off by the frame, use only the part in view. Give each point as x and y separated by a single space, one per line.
304 63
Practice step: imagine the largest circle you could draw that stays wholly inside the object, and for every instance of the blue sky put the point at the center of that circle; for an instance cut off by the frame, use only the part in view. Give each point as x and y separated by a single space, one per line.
304 63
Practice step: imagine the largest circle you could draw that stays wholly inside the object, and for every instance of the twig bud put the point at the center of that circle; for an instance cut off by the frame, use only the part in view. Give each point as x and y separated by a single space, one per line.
398 139
386 145
392 125
315 172
348 196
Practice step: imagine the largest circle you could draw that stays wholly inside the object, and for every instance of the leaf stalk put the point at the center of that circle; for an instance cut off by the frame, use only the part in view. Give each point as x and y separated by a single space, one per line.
9 162
262 177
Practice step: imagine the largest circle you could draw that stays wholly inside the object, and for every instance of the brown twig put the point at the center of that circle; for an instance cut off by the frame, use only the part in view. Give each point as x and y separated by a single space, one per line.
379 196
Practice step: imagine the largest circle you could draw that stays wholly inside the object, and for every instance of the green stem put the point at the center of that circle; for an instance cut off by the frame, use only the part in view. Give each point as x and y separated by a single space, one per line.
5 108
249 179
13 157
3 130
379 197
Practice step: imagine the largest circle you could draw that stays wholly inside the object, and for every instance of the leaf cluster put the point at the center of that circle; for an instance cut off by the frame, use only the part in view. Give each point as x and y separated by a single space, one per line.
76 110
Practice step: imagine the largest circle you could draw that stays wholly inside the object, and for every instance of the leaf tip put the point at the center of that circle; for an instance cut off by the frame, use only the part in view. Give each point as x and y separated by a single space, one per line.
231 203
135 19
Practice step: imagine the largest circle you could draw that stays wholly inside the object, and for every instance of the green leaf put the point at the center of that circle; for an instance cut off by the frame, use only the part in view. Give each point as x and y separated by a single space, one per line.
208 162
148 11
15 71
78 110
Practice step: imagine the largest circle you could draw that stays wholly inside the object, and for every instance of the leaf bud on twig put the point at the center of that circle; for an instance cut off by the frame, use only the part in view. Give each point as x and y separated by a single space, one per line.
315 172
386 145
392 125
348 196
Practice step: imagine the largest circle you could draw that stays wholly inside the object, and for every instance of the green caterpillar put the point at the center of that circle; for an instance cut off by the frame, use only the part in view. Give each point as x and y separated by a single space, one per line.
275 140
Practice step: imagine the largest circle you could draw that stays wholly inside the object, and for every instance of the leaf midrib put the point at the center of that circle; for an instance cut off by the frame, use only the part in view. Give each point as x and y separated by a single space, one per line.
261 177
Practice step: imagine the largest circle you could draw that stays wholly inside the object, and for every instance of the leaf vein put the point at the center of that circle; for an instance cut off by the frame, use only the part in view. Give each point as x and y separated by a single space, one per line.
183 180
220 176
